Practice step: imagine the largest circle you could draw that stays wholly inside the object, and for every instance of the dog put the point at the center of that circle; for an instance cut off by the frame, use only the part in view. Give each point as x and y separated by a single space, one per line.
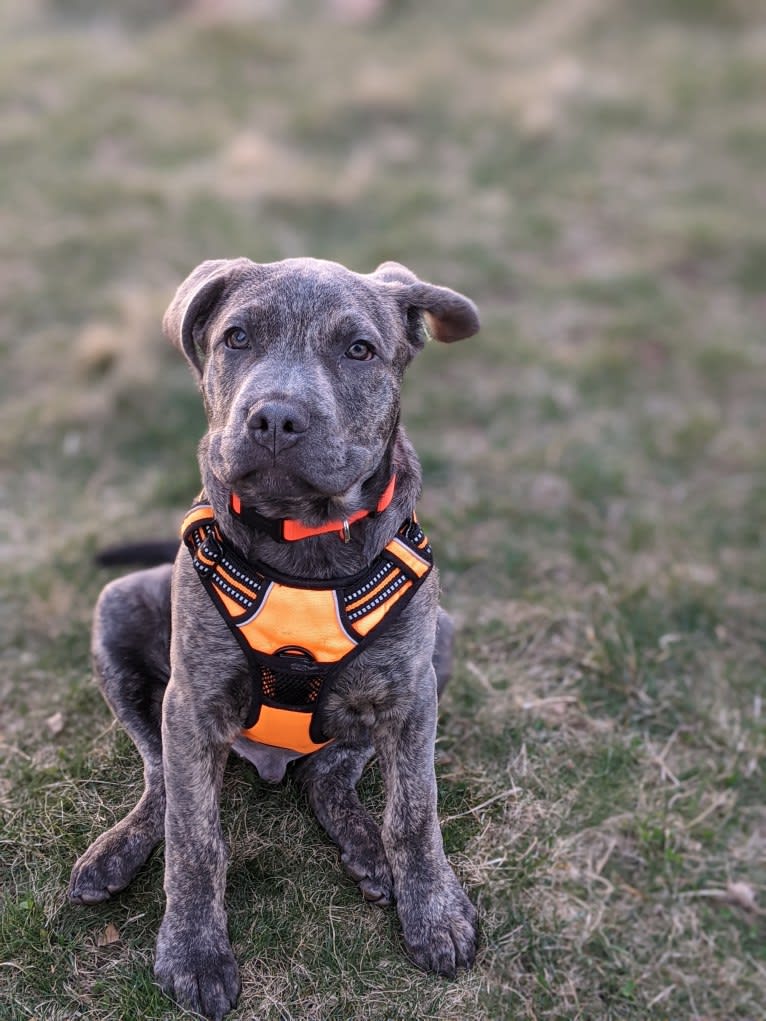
302 599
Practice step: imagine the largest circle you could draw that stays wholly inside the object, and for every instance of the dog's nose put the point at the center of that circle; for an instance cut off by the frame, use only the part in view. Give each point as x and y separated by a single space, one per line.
277 424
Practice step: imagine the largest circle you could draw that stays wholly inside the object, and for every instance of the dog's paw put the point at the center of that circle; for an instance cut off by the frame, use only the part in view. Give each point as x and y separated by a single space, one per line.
197 969
369 868
439 927
108 866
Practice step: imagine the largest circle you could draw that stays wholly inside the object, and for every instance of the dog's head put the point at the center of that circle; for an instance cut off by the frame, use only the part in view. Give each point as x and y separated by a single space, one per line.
300 364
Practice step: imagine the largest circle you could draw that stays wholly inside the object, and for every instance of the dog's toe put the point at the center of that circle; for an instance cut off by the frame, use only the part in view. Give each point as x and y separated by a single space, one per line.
441 932
212 997
97 875
112 860
446 948
375 892
372 877
201 975
89 883
78 894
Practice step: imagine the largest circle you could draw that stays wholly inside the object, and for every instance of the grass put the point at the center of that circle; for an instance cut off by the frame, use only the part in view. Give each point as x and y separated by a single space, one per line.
591 174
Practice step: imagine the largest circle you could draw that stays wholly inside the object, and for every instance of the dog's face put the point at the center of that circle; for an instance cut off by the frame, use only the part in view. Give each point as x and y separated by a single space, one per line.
300 364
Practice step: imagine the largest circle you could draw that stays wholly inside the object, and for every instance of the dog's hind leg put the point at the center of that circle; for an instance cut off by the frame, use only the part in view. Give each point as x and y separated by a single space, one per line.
131 659
329 777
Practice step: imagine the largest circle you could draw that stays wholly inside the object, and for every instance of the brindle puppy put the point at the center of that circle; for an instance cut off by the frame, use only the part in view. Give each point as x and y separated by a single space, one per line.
299 364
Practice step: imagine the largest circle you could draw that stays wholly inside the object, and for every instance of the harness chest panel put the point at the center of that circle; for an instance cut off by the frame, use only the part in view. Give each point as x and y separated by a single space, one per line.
295 634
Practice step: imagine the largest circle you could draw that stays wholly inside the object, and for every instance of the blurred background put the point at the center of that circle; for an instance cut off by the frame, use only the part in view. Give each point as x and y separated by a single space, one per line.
592 174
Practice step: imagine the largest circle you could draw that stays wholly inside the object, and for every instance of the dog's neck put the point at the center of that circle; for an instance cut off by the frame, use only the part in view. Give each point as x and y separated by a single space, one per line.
327 555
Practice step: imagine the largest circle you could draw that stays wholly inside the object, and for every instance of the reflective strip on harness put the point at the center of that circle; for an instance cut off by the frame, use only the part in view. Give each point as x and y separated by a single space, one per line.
296 635
376 616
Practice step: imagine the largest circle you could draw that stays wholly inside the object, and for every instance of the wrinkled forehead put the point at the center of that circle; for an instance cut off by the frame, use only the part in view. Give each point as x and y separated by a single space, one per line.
311 299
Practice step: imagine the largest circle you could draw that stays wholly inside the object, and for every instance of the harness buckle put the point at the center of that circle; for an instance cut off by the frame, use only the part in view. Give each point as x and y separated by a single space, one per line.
346 533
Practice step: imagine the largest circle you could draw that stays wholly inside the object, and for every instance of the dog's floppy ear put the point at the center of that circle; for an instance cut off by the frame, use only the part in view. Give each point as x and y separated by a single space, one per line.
448 315
193 304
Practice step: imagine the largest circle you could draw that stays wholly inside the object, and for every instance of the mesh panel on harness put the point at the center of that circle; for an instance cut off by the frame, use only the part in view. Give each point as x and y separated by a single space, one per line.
283 688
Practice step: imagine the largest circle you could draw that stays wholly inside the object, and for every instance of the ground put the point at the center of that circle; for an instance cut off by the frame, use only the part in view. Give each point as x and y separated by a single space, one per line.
591 173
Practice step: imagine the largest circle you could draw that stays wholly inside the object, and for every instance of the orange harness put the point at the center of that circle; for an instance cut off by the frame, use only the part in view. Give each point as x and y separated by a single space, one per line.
297 634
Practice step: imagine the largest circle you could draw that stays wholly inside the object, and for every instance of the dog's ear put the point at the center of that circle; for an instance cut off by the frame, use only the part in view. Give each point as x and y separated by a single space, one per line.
448 315
194 302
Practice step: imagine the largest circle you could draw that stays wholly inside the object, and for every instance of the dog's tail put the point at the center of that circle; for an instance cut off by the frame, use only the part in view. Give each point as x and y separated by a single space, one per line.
144 554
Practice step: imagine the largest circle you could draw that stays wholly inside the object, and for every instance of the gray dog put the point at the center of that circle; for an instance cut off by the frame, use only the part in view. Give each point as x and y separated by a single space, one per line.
300 619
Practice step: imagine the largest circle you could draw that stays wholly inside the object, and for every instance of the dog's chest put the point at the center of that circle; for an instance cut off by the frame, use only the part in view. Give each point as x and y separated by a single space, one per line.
303 641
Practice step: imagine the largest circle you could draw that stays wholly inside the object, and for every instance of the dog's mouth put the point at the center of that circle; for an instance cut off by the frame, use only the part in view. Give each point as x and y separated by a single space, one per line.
259 486
294 486
265 486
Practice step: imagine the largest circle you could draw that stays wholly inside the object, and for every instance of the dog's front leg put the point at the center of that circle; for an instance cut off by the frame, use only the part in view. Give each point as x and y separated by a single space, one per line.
438 920
194 963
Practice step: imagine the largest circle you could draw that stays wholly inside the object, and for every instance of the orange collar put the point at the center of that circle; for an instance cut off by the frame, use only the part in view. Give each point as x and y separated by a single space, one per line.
291 530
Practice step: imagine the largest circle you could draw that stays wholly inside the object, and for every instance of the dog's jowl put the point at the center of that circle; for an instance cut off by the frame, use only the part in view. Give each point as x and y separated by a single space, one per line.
300 621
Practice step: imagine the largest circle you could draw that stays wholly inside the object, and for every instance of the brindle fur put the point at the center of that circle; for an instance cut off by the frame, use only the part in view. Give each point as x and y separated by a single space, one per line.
303 431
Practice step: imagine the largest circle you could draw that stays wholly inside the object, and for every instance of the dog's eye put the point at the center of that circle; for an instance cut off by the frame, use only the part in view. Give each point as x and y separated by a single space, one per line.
360 351
236 339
